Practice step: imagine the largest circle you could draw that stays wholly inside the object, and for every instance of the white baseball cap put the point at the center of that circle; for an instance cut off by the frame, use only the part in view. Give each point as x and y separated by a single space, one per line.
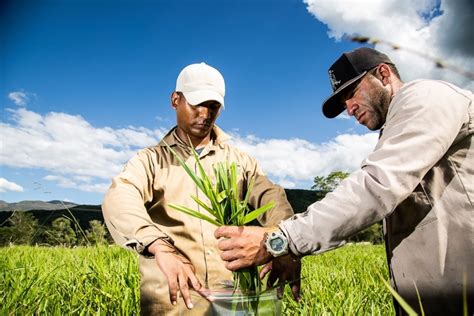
200 83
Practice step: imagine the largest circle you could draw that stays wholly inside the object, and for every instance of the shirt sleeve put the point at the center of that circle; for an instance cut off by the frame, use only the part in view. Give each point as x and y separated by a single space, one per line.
422 123
124 205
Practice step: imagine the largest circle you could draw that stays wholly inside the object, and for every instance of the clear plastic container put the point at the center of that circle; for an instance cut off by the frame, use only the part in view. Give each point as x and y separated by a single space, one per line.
230 303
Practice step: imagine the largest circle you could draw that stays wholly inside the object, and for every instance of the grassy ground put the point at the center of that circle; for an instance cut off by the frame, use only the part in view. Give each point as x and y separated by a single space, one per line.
104 281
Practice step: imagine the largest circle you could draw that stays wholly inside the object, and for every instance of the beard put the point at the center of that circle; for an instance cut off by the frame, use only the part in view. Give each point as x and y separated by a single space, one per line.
379 101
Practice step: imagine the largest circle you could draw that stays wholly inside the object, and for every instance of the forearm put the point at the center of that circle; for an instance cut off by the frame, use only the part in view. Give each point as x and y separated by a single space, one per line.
327 223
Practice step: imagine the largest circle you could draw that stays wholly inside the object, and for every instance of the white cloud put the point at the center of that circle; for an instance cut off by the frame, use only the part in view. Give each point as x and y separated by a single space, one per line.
80 156
6 185
295 162
87 184
21 98
405 23
74 152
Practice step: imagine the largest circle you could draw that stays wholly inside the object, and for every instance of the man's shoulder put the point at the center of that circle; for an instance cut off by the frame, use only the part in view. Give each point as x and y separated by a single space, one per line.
433 87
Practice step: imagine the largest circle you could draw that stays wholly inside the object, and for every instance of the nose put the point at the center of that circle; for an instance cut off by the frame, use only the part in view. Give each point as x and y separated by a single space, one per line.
351 107
204 111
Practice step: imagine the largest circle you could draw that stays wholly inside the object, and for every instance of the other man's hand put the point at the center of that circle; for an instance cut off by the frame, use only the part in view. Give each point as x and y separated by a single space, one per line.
243 246
285 269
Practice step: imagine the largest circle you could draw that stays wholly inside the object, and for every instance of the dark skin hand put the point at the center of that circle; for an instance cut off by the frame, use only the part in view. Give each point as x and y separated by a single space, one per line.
178 270
244 246
286 269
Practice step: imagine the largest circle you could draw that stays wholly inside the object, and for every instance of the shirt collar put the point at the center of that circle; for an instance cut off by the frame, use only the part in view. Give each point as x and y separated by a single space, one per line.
218 136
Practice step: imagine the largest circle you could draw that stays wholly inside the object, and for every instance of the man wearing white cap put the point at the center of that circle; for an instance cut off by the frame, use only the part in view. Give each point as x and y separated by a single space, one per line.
179 252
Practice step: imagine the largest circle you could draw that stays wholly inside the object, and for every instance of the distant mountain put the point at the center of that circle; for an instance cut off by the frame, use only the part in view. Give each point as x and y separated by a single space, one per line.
46 212
3 204
24 206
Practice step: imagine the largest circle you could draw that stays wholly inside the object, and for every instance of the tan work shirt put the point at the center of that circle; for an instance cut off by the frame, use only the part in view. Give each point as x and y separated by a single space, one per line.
136 212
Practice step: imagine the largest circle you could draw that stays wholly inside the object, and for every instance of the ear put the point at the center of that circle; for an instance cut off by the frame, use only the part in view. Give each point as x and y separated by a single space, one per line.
385 73
175 99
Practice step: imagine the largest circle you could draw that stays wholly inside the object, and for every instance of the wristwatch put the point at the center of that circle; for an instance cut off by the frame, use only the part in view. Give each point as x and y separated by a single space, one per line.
276 243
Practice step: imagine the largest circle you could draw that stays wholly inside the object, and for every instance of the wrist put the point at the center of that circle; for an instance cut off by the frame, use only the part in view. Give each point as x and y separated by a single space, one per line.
159 245
276 243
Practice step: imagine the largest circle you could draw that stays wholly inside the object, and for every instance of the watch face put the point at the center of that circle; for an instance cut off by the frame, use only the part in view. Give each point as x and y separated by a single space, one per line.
277 244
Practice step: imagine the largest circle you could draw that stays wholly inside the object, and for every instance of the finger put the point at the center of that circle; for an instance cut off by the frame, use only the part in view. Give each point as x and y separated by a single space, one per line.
266 268
295 289
236 265
230 255
226 231
184 289
280 292
226 244
272 278
173 289
192 280
206 293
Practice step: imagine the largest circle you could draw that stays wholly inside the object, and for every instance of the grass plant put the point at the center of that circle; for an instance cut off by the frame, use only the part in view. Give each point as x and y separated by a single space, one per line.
104 280
98 280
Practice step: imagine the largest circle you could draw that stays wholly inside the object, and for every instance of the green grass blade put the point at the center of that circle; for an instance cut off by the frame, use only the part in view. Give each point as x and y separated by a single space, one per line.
205 206
419 299
194 213
256 213
249 189
234 192
399 299
221 196
238 215
188 170
205 179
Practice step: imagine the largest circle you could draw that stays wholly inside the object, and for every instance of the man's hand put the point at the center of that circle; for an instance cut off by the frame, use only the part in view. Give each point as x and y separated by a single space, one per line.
177 269
243 246
282 270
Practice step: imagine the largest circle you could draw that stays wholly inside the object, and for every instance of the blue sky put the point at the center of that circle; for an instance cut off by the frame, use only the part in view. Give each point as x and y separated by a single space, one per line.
85 84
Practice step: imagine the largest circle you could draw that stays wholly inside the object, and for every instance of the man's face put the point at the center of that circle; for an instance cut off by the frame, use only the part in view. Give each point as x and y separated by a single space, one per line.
368 102
195 120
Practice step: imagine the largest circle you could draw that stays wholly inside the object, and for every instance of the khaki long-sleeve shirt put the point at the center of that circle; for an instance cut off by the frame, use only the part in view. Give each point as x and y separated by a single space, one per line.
136 212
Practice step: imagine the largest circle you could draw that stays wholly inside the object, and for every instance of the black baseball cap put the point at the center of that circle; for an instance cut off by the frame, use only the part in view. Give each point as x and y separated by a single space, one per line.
349 68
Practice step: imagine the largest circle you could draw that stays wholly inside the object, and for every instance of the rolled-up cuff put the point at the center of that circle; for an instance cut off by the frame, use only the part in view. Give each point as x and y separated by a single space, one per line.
144 238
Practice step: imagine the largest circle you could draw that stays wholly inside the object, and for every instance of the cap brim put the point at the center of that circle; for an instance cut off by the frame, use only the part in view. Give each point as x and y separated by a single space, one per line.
332 107
200 96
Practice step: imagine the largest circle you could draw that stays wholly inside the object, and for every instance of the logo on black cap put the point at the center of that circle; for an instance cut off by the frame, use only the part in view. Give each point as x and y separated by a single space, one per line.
334 82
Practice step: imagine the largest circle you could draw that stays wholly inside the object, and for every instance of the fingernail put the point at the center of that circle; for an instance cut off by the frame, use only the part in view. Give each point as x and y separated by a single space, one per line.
174 303
190 305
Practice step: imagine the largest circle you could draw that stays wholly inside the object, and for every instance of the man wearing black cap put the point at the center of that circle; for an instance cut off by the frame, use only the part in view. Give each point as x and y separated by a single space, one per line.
418 180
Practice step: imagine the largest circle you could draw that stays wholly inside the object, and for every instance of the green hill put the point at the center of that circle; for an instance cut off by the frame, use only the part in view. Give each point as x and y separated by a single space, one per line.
46 212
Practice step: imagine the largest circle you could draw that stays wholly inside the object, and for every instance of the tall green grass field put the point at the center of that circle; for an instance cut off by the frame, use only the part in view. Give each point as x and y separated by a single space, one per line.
104 280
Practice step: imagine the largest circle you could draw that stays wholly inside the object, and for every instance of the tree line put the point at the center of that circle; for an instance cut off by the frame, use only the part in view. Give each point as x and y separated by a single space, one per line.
24 229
